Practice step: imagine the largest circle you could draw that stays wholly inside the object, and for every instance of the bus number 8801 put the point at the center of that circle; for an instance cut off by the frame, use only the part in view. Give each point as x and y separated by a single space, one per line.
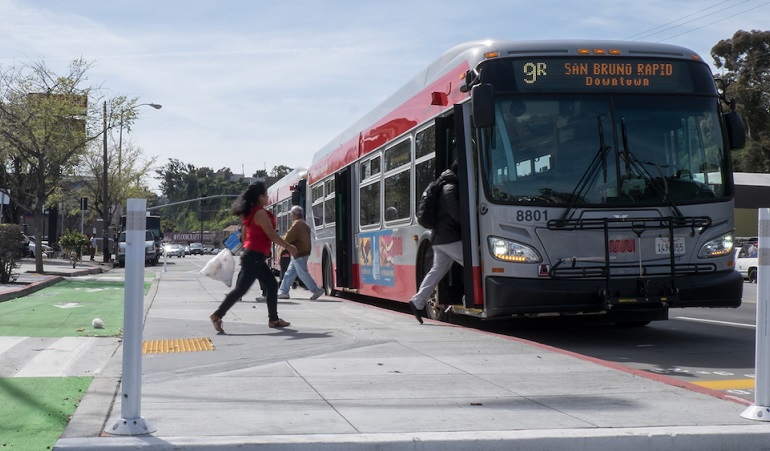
531 215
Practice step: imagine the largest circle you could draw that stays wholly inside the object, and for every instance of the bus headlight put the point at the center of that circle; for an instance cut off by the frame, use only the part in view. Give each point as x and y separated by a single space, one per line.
511 251
717 247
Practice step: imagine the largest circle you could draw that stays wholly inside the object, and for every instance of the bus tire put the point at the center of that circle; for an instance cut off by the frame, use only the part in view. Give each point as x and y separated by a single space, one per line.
752 275
328 276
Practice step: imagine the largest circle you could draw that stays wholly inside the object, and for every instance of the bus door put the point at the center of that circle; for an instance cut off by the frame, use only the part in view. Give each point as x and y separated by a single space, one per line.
298 197
343 242
453 143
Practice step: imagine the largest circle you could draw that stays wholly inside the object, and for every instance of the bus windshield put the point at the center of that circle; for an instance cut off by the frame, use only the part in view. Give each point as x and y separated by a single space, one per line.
604 149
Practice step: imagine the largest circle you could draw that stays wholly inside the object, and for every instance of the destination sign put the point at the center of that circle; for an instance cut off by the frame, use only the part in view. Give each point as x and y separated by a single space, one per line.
579 74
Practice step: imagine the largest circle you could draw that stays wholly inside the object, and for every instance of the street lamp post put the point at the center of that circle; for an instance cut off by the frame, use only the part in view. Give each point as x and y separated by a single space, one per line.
105 175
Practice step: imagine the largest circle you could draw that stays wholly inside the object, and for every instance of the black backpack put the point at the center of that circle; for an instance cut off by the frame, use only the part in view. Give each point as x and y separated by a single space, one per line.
427 209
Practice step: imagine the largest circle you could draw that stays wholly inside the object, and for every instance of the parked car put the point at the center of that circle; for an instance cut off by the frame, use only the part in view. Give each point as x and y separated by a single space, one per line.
174 250
187 250
150 255
29 245
196 248
746 261
47 250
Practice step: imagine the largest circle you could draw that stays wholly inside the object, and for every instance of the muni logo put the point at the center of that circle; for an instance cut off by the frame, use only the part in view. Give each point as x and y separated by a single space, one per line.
622 246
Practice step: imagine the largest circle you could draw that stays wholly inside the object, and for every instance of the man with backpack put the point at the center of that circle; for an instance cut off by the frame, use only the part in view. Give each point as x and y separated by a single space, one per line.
446 239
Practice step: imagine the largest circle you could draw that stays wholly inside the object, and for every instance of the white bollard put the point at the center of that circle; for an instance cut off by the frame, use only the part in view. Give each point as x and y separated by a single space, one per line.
131 422
760 410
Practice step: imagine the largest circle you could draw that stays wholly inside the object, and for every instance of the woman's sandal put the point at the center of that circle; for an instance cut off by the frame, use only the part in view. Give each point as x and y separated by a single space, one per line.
278 323
217 323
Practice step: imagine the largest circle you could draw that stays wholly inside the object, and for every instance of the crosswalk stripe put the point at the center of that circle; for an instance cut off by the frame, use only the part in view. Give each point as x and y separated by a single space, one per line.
56 360
7 343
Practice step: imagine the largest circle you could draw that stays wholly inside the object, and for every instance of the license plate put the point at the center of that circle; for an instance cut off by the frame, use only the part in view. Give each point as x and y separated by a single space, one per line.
662 245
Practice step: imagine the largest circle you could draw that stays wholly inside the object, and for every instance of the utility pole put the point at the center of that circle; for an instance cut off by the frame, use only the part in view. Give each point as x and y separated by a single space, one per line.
105 194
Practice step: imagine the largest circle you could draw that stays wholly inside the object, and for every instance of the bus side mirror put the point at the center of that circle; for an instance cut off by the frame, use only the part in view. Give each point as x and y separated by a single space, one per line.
483 100
736 132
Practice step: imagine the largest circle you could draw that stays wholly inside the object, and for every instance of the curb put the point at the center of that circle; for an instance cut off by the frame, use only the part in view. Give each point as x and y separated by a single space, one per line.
30 288
705 438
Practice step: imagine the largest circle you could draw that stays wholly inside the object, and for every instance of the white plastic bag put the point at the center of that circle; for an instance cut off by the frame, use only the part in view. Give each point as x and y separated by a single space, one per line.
221 267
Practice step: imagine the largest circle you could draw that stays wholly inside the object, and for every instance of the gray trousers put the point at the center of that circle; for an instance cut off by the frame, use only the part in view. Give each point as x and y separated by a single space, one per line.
443 257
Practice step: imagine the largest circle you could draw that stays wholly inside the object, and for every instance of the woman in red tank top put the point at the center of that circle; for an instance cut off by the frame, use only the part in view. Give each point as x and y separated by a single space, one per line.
259 234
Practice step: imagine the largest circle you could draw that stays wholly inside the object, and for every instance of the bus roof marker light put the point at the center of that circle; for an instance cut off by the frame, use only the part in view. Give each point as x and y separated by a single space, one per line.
615 52
491 54
583 52
600 52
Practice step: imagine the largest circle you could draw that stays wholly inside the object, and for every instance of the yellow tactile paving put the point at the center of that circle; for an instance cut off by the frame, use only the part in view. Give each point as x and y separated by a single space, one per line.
177 345
727 384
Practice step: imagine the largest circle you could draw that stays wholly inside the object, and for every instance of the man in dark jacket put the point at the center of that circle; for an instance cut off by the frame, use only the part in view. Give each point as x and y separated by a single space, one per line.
446 240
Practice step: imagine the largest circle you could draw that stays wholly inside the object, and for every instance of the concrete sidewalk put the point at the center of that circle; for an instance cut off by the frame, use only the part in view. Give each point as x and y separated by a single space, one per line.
354 377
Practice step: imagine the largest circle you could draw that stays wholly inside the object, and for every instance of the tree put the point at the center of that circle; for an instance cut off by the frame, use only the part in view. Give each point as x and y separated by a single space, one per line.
180 182
278 173
43 132
127 171
745 56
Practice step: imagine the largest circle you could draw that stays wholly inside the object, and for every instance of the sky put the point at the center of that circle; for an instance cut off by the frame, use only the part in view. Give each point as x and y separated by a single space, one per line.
252 84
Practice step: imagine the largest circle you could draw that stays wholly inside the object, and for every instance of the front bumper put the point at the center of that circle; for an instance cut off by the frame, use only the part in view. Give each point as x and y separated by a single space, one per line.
510 296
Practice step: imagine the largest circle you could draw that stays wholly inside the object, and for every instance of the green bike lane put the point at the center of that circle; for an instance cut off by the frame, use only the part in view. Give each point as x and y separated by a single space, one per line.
50 352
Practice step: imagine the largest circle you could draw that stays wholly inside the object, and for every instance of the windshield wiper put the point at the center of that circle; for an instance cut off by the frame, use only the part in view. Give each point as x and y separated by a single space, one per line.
632 162
600 160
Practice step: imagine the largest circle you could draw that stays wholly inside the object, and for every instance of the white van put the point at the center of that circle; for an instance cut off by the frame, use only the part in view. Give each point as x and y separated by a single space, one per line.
150 255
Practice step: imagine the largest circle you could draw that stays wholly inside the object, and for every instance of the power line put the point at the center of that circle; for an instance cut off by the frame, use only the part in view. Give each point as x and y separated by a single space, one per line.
693 20
716 21
674 21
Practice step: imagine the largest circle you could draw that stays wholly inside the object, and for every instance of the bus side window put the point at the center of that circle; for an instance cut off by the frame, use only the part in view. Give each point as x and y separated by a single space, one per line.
424 161
397 181
369 192
369 196
317 193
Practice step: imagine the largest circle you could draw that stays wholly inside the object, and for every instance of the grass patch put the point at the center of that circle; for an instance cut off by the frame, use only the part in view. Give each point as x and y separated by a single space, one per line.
67 310
36 410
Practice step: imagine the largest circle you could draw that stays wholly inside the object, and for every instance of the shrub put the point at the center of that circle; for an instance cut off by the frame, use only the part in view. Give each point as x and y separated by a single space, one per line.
10 251
72 241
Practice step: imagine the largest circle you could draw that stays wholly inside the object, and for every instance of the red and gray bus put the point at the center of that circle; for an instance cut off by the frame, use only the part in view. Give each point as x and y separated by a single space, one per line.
288 191
595 178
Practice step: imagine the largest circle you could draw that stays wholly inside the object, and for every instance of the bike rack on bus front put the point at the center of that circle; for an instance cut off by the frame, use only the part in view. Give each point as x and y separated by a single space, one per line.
593 268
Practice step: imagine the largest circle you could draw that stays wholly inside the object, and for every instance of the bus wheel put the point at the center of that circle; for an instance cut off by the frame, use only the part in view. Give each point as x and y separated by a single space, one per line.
328 277
753 275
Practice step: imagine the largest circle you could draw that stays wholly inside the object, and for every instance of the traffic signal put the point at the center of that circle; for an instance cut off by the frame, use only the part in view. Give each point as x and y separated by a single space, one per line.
84 203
